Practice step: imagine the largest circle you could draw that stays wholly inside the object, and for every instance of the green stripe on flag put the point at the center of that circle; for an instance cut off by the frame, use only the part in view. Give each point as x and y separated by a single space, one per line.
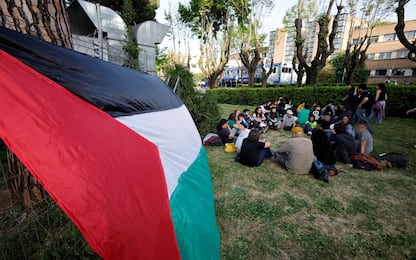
193 212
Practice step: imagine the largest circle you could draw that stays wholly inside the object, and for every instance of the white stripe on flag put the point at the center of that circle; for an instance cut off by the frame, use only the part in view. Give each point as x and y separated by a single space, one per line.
176 136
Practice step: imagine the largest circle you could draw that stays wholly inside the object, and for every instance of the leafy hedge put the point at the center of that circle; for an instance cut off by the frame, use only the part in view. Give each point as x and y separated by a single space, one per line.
203 107
400 97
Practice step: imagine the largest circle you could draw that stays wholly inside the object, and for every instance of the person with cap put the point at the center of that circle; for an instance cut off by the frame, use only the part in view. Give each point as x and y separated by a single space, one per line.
296 155
289 121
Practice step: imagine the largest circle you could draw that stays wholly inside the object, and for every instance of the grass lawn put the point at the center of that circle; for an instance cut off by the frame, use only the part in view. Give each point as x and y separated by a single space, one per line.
268 213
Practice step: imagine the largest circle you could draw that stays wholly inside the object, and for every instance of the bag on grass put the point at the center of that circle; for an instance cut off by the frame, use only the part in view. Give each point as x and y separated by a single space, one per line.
212 139
396 160
319 171
365 162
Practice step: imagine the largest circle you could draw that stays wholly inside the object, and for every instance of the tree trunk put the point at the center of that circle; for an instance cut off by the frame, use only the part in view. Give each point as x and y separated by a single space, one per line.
312 75
399 28
213 80
266 74
47 20
251 73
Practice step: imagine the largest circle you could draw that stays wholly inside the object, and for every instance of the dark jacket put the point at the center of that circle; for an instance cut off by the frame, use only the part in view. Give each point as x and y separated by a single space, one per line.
345 145
324 153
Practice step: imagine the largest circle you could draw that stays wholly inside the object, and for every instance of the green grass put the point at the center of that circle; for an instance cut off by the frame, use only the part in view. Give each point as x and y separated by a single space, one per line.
268 213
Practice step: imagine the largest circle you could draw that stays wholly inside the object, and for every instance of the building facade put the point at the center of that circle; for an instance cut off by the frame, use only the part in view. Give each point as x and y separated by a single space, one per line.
386 56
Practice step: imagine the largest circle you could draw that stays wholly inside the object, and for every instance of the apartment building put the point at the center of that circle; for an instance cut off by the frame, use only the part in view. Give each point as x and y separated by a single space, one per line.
282 41
386 56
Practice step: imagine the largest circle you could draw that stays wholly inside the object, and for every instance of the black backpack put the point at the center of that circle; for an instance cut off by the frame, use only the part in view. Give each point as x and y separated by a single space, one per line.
319 171
397 160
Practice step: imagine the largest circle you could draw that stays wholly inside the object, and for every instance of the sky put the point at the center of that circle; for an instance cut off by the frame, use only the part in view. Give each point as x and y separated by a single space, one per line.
272 21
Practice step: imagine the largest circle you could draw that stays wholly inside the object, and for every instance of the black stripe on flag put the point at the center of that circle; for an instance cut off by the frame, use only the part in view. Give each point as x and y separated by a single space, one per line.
117 90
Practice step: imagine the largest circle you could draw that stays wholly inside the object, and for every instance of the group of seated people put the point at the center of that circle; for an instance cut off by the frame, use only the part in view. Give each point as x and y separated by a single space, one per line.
332 136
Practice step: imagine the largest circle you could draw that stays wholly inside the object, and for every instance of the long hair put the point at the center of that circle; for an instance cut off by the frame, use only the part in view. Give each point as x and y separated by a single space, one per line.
254 135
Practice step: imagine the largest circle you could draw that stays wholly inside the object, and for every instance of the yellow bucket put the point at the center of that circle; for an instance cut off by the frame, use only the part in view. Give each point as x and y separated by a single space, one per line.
229 147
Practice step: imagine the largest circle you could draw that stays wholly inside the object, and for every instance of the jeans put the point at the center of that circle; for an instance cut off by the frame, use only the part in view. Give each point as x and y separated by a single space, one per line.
359 115
378 113
264 153
281 159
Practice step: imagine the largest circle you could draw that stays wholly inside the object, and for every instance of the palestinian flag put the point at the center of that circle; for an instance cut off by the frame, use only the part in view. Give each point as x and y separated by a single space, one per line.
115 148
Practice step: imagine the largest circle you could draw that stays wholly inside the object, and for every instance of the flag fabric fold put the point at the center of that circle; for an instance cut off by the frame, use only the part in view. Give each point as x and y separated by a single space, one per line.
115 148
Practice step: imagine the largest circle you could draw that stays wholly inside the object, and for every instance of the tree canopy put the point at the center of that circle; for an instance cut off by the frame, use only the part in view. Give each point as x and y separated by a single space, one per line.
144 9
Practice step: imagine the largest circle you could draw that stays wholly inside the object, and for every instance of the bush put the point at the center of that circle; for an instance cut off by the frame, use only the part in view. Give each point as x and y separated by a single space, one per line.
400 97
203 107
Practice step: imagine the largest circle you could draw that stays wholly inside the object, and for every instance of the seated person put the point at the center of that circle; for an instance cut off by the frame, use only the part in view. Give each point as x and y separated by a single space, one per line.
365 139
346 121
289 121
273 118
235 124
310 124
240 118
261 118
244 134
344 143
296 155
224 131
326 121
323 150
254 151
247 117
303 115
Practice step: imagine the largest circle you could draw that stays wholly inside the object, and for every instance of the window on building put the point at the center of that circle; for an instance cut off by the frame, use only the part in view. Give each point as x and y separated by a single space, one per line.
370 56
374 39
389 37
384 55
286 70
381 72
398 72
402 54
354 41
410 35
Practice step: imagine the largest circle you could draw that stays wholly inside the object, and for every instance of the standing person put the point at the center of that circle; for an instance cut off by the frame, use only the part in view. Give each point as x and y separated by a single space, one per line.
364 103
380 104
296 155
350 99
289 121
253 152
365 142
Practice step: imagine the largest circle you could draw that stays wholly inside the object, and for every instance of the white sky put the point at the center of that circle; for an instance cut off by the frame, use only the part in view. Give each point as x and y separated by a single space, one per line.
272 21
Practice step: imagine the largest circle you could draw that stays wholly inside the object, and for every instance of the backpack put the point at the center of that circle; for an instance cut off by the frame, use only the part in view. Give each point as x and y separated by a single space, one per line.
397 160
319 171
365 162
212 139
